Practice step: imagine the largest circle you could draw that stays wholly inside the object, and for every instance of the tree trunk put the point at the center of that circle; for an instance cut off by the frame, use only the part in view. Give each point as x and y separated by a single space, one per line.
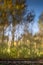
3 35
12 44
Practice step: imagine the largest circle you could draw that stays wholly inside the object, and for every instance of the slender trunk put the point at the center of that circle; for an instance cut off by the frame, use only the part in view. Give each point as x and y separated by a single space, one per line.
12 36
3 35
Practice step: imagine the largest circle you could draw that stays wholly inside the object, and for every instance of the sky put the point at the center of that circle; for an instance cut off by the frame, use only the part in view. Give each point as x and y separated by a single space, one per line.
37 6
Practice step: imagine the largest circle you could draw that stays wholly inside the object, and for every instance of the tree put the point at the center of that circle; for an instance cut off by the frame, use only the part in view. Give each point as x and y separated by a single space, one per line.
14 13
41 28
3 23
19 9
